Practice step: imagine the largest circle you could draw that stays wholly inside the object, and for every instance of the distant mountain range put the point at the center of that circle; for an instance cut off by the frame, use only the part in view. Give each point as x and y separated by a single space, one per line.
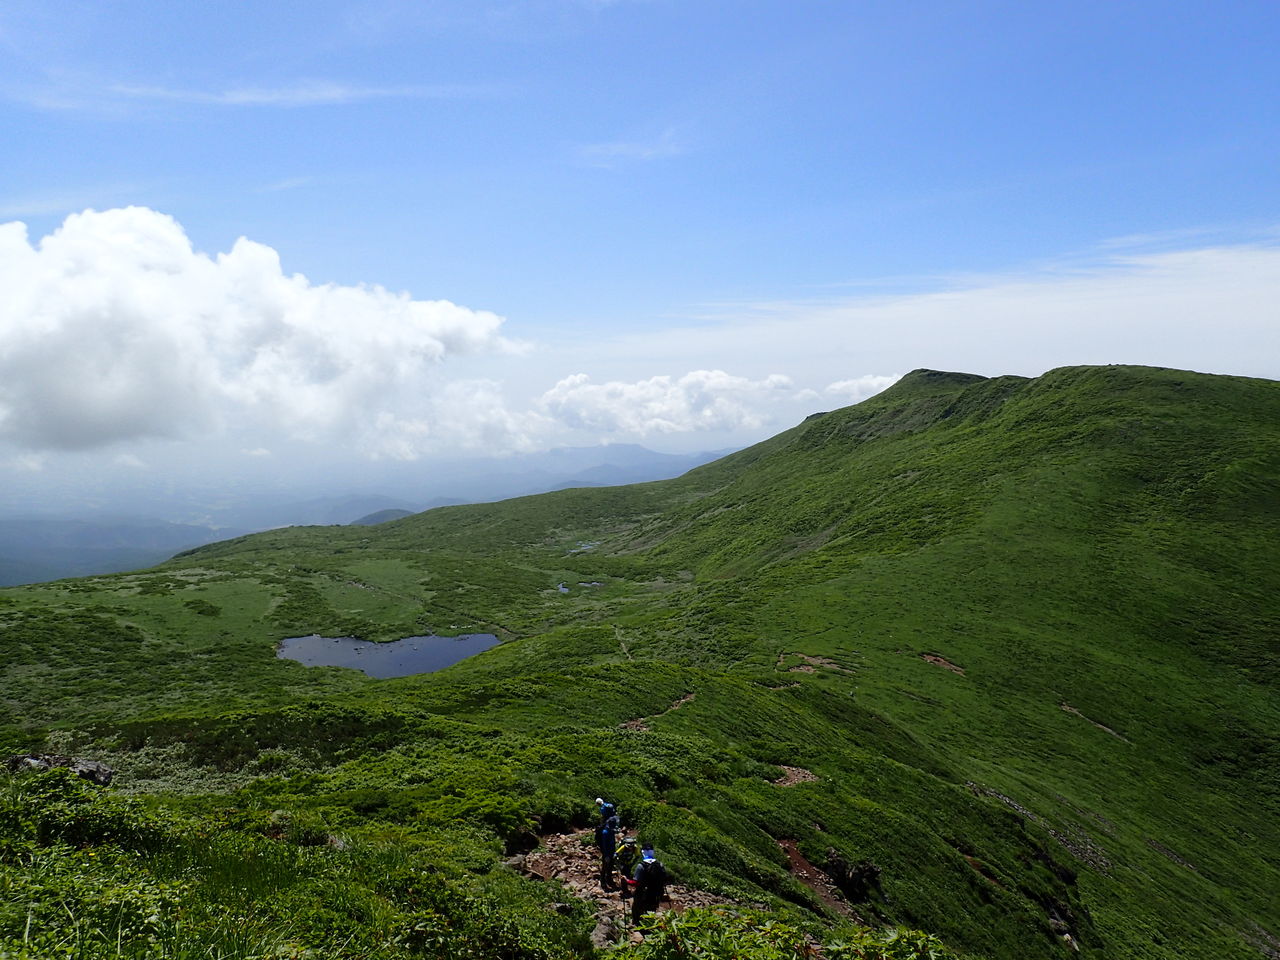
35 549
72 540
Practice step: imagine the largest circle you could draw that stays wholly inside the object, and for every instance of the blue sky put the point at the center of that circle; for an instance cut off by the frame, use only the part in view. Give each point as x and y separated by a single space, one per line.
714 193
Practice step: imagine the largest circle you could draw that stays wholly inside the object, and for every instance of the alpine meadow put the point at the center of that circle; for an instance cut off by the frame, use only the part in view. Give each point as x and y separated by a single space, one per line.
976 668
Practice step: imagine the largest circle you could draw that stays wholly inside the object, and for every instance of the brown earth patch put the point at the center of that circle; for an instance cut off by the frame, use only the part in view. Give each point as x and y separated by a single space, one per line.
942 662
814 879
794 775
982 870
810 664
641 724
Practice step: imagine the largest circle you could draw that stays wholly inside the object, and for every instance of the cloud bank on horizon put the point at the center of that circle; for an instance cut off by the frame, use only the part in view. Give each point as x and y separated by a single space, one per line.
115 330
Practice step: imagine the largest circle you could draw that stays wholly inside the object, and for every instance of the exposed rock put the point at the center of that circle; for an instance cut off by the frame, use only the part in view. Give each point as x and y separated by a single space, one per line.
855 880
92 770
793 775
1072 838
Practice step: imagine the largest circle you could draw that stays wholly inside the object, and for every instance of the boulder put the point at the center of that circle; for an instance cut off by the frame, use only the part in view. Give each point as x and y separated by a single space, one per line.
92 770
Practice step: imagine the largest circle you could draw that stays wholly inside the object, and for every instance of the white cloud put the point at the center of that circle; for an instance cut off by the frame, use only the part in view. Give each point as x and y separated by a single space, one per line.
464 415
114 328
309 93
665 144
1213 309
129 460
857 390
700 400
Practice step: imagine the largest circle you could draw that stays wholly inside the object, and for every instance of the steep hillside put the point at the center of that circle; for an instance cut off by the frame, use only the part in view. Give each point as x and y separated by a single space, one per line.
998 657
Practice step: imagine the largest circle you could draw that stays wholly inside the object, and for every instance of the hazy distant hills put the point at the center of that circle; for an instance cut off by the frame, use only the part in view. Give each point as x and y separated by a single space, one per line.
36 548
381 516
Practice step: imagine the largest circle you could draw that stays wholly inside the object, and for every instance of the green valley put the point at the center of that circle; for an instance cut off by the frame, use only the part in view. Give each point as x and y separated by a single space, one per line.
998 658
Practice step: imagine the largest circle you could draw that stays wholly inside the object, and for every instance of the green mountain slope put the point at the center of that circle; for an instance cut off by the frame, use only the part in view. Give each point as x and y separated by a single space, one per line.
1022 634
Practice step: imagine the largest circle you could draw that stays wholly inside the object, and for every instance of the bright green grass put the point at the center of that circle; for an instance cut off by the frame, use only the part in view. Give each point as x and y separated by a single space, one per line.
1095 548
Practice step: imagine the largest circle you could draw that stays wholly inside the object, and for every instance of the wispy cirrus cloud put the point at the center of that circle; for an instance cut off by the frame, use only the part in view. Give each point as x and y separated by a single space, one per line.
62 94
307 93
666 144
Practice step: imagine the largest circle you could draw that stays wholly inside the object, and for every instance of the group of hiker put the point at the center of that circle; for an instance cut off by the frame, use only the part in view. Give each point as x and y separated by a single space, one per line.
643 877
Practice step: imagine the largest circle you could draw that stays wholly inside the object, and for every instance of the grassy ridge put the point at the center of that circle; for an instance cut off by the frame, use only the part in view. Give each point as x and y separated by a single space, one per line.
1023 632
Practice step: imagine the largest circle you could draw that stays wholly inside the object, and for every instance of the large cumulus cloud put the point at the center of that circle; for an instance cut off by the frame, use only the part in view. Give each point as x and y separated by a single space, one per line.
699 400
113 328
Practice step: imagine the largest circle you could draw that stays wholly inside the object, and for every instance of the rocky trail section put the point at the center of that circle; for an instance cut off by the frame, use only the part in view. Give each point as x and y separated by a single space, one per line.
572 859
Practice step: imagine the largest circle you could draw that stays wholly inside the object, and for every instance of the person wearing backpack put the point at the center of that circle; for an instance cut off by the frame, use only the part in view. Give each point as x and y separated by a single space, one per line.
607 841
650 884
628 859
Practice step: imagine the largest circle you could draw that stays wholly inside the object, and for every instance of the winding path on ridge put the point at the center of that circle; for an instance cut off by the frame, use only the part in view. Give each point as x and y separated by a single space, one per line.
642 723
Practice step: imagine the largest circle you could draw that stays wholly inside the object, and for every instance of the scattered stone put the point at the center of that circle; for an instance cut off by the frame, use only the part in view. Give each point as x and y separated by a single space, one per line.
91 770
794 775
1263 940
1073 839
1161 849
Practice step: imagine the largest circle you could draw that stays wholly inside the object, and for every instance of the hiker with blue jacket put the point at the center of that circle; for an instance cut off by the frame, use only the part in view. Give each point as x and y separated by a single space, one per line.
649 884
607 840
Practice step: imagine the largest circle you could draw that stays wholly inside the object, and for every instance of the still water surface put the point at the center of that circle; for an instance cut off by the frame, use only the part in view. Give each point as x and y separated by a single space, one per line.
400 658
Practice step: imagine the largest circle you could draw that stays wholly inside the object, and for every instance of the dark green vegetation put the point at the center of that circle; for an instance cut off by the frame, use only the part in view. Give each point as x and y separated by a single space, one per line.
1023 632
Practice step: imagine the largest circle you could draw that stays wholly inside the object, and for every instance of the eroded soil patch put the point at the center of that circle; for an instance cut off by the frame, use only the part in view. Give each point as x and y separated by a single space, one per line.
810 664
815 879
942 662
642 723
